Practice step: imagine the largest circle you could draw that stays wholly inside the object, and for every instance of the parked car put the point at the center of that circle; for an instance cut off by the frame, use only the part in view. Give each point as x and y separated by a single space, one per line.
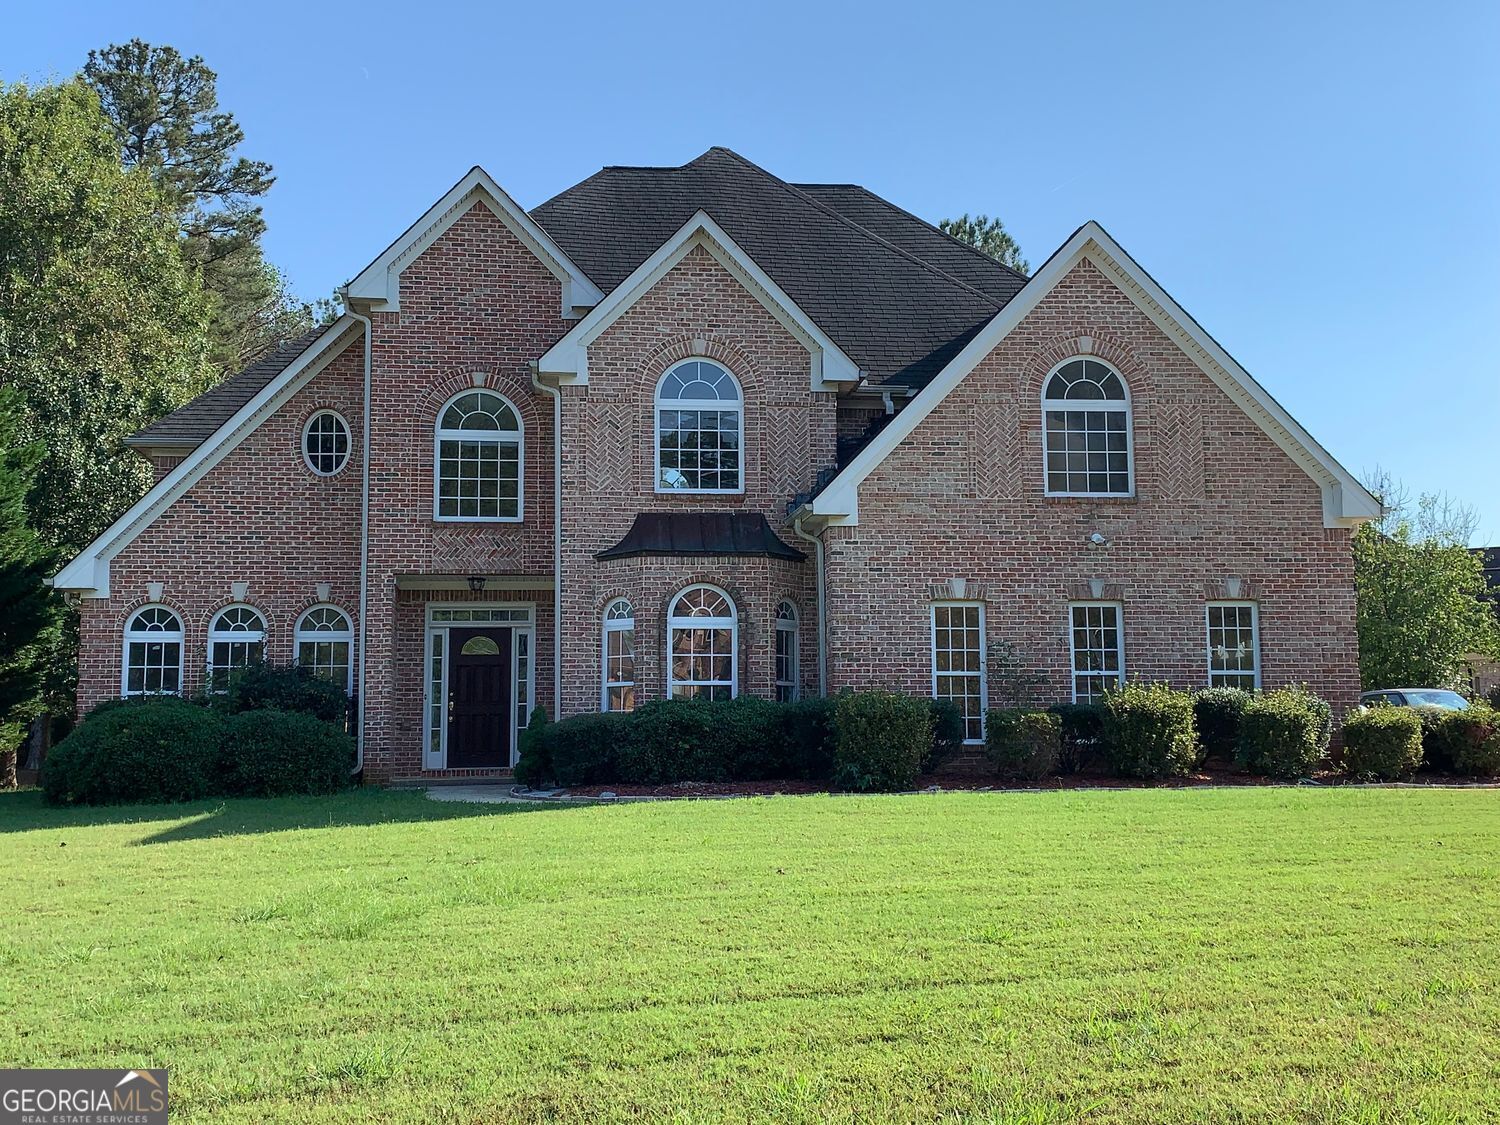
1415 697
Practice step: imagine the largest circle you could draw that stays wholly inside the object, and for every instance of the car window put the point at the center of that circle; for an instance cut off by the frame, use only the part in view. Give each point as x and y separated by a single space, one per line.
1450 700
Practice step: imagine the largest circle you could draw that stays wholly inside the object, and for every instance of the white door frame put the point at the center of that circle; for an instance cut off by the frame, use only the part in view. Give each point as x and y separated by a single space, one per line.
520 619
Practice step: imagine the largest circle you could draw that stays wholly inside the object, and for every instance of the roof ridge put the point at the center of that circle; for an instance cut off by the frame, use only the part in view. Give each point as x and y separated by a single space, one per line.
970 247
850 223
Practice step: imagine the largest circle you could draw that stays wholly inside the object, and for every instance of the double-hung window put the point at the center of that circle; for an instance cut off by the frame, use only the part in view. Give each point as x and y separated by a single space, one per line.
1086 426
479 459
958 672
619 656
1097 636
324 639
788 672
700 430
702 645
153 653
236 637
1233 645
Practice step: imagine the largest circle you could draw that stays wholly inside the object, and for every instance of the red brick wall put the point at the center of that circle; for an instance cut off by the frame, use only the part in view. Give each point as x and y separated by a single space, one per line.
962 498
261 516
609 475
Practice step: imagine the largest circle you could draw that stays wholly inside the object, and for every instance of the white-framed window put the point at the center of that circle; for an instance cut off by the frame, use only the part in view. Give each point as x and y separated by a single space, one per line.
1097 636
788 654
958 672
325 443
703 636
700 430
1087 442
1233 645
323 641
152 660
236 637
619 656
478 459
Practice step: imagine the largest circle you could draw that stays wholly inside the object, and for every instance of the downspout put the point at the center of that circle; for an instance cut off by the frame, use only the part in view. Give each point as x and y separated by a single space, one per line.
557 570
820 577
364 542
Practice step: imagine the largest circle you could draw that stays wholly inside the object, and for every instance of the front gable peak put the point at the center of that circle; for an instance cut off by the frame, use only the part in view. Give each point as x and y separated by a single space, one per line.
380 282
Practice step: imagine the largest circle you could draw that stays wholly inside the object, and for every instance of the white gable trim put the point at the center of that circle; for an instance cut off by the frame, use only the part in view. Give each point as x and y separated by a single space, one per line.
88 573
567 360
1346 502
380 281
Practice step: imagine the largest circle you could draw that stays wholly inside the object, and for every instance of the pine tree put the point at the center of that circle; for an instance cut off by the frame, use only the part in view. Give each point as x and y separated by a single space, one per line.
988 236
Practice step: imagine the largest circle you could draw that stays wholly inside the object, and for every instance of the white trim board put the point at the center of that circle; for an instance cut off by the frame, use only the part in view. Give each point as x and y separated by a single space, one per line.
88 573
830 368
380 281
1346 502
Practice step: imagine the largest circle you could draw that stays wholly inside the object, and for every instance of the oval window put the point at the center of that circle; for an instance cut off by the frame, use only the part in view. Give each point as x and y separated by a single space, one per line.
325 443
480 646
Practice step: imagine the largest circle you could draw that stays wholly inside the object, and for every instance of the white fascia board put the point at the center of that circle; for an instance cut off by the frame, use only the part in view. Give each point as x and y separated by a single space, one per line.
829 369
1346 502
88 573
380 282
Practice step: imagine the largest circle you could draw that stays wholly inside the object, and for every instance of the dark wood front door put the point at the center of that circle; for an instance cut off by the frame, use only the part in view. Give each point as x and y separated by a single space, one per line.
479 703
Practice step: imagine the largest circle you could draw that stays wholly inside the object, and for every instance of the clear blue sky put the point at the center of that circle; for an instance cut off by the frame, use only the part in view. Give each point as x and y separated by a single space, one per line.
1317 183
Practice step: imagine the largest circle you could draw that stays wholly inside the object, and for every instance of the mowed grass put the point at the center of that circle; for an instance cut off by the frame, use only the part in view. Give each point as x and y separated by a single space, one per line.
1139 956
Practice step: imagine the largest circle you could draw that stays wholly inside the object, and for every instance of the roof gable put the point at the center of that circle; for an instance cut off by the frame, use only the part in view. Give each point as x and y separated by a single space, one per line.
568 358
1346 502
89 571
380 281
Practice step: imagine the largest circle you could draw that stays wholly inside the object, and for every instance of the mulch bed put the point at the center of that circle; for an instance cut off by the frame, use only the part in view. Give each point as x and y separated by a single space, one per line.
1210 775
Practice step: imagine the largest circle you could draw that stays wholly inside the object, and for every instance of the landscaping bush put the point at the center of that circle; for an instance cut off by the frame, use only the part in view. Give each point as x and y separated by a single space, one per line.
1284 733
807 735
1023 744
1082 734
881 739
1466 742
266 686
1494 697
947 733
1149 732
534 762
671 740
1217 713
586 749
161 749
1383 742
266 753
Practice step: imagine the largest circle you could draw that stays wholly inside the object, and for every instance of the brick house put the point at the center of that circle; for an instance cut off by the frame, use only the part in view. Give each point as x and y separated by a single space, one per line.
698 431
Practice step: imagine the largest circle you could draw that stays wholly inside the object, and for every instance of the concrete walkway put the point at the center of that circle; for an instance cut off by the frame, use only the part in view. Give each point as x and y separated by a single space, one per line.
478 794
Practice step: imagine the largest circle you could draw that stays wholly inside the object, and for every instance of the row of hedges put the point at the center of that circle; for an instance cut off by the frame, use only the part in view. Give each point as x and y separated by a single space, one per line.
163 748
860 740
1386 743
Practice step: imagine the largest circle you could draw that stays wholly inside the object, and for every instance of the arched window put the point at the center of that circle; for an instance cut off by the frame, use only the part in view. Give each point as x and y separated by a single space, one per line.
323 640
700 430
236 637
153 653
619 656
325 443
478 463
703 644
1086 413
788 670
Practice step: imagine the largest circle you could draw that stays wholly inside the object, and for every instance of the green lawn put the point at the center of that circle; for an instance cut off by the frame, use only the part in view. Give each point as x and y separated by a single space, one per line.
1143 956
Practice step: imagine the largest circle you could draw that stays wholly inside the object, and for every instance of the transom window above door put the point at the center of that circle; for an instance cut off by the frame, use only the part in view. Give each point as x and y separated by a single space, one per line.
700 430
1086 424
477 475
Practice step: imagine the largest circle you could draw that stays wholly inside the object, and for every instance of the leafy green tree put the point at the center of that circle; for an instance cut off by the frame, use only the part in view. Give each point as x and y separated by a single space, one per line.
28 610
102 322
1420 593
989 236
166 117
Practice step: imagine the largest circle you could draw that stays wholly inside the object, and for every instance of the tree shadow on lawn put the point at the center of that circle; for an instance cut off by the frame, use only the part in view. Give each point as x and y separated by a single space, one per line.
25 811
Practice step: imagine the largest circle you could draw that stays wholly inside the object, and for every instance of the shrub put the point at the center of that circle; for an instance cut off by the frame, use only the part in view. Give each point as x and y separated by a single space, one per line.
807 735
881 738
534 762
1023 744
947 733
585 749
266 753
283 687
1284 733
164 749
672 740
1082 734
1217 713
1466 742
1383 742
1149 732
1494 697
